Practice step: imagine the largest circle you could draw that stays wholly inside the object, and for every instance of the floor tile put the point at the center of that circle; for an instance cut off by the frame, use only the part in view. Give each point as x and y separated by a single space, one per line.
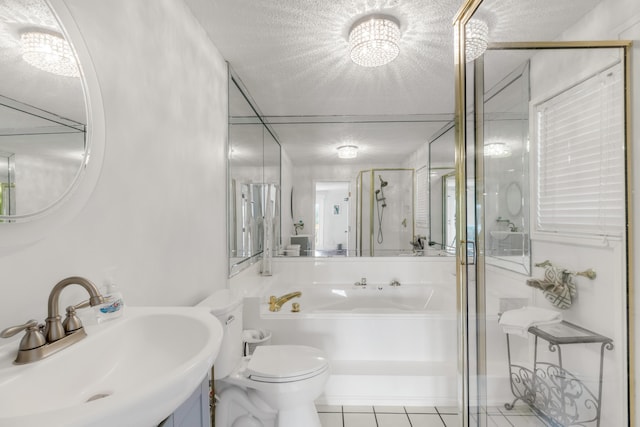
421 409
451 420
526 421
329 419
517 410
426 420
357 409
498 421
447 409
359 420
393 420
389 409
329 408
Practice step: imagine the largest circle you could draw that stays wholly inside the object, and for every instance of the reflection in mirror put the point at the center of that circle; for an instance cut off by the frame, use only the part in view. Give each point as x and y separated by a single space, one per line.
393 146
42 111
254 181
332 218
385 213
7 185
506 170
449 211
441 171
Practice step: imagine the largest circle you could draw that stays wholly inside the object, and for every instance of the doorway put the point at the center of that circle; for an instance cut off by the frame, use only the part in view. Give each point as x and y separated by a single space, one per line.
331 218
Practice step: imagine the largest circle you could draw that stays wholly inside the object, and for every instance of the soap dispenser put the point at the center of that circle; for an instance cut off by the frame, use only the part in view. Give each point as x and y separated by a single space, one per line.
113 305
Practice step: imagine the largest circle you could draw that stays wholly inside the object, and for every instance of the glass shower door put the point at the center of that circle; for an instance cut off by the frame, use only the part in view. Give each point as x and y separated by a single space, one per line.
554 200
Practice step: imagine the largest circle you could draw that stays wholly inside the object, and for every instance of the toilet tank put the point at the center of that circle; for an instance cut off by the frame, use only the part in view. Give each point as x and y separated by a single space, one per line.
227 307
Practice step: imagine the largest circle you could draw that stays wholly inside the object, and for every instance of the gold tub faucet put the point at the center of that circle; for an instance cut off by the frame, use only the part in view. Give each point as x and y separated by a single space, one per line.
275 303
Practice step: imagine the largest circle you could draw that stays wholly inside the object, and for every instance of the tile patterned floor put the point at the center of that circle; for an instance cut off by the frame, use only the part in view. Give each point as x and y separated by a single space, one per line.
418 416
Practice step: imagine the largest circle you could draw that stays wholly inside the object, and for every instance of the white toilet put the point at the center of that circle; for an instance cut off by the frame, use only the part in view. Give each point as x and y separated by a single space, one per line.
275 387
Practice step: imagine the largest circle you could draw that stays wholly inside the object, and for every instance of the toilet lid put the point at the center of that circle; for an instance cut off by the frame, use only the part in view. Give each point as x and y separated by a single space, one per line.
280 363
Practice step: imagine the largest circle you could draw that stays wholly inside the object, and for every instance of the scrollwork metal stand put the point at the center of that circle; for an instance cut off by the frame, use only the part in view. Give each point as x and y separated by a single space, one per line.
551 391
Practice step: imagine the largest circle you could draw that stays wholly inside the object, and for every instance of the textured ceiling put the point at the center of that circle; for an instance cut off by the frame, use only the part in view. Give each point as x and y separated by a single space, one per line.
293 57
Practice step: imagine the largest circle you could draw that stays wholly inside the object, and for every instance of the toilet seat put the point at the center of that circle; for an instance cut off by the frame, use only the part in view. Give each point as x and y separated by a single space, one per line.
285 363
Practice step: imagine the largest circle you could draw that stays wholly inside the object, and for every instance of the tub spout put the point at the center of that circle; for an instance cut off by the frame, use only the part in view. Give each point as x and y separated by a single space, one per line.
275 303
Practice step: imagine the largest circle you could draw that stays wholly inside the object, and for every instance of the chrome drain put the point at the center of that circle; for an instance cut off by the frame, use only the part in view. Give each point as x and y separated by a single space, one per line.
98 396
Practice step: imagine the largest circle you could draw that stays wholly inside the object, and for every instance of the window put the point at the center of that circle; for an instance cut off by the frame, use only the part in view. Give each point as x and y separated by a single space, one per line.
580 158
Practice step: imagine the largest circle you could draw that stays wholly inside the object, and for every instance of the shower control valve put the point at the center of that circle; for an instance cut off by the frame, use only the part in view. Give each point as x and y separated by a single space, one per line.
362 282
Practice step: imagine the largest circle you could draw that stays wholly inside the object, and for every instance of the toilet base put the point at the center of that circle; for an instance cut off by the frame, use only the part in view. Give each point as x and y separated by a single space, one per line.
305 415
239 407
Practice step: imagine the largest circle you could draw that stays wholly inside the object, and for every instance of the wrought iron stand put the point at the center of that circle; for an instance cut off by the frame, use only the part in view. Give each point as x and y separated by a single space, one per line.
551 391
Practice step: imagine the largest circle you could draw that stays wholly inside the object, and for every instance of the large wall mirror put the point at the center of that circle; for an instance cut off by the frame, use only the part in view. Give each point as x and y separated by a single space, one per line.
441 188
506 171
384 210
43 116
506 176
254 180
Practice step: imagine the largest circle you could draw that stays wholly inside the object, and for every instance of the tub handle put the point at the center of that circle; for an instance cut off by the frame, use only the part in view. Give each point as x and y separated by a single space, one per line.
230 319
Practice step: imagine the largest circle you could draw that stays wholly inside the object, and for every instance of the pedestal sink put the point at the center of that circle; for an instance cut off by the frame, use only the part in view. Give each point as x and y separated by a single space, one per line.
132 371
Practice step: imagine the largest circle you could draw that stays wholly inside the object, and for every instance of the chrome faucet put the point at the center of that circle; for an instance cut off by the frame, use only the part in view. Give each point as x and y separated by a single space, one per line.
275 303
54 328
41 341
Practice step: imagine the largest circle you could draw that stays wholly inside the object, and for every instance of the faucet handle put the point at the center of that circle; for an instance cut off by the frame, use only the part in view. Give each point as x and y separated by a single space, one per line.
12 330
72 323
32 339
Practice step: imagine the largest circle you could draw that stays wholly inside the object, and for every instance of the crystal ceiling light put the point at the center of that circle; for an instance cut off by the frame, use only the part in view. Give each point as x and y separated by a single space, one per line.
347 152
476 38
49 51
373 40
497 150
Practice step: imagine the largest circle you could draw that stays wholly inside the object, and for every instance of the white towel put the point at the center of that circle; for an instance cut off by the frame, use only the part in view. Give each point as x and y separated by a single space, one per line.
520 320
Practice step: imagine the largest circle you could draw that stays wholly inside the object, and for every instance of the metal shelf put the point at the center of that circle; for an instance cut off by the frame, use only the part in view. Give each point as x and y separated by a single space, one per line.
553 392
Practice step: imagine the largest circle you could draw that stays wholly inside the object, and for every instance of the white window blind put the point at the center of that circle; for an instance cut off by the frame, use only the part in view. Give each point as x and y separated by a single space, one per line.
422 190
580 158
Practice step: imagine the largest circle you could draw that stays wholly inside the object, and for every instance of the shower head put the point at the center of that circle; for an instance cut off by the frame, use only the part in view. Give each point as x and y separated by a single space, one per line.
383 183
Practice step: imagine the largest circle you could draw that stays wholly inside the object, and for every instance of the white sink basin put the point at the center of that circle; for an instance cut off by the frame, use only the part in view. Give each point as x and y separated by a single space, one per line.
132 371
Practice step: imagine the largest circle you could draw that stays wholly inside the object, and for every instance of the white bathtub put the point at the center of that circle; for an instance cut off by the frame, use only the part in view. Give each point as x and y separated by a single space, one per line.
387 345
370 299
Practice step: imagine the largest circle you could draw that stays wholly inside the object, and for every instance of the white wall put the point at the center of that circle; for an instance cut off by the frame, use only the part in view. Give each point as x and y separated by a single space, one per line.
156 219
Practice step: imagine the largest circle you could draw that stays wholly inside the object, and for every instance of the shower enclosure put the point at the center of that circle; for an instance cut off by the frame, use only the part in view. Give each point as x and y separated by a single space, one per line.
576 372
385 212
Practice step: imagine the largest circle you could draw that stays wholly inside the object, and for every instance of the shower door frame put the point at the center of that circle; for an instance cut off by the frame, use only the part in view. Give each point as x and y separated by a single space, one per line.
463 267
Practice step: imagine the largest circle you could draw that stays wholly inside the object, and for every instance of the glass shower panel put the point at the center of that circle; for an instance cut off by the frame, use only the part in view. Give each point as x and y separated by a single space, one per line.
573 371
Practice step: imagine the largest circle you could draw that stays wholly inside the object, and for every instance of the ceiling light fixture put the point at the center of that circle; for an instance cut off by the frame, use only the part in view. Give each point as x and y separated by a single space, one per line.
497 150
49 51
373 40
476 38
347 152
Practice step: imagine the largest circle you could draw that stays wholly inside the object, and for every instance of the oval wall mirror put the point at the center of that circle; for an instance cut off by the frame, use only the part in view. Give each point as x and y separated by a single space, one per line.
514 199
43 114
